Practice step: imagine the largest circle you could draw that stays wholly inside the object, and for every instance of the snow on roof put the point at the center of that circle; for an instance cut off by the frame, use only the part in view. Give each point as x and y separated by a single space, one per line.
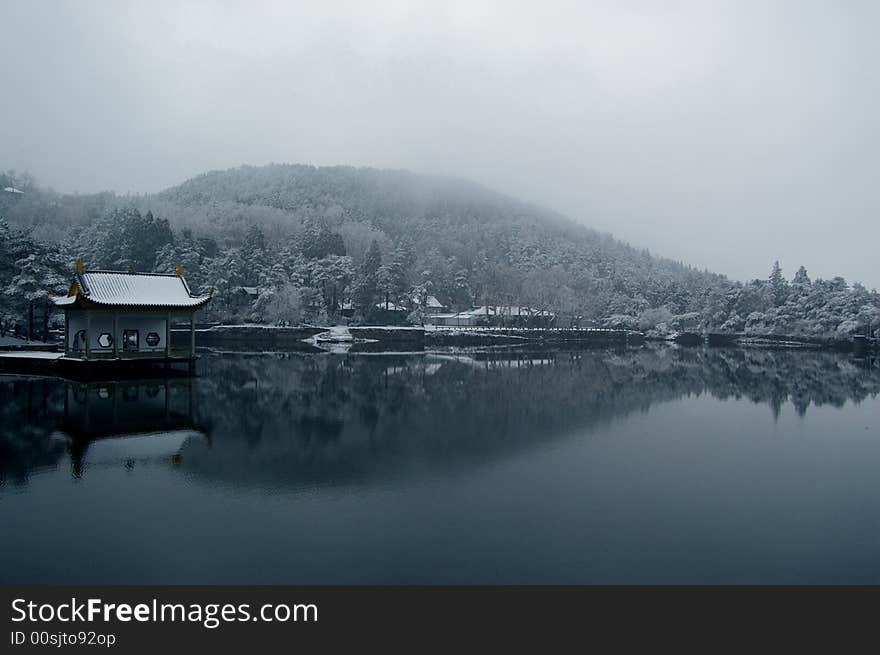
133 289
430 302
64 300
12 189
506 310
391 307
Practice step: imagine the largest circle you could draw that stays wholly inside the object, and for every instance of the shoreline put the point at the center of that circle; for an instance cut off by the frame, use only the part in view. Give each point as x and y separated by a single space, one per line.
378 339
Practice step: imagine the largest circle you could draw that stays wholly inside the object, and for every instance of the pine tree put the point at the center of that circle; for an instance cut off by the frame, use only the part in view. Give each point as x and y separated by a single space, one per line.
254 241
318 241
36 279
367 286
778 285
801 278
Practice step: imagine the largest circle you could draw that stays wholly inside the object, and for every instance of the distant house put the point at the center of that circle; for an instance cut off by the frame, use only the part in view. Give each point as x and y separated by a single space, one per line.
241 299
116 315
455 319
394 310
507 315
390 313
251 293
346 308
431 304
516 316
391 307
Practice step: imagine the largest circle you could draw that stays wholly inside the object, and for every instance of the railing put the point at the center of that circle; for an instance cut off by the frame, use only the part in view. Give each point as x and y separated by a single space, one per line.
498 328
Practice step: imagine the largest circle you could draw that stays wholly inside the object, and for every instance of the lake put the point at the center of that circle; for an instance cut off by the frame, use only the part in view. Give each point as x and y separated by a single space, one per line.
650 465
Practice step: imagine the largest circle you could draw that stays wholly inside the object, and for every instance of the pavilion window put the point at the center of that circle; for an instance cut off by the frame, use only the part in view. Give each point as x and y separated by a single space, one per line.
130 341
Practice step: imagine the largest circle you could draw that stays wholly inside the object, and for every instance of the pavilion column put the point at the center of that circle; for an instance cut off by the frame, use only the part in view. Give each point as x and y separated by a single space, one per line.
88 334
115 334
168 335
192 334
66 333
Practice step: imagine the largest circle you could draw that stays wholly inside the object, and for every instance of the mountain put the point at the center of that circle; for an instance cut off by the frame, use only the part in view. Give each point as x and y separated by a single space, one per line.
311 240
468 244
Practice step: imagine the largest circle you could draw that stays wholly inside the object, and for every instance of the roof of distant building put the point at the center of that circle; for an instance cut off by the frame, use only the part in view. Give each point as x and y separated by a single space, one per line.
431 302
391 307
506 310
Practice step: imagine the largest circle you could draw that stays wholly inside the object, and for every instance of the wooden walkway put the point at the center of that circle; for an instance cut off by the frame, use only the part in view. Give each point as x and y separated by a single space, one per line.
31 362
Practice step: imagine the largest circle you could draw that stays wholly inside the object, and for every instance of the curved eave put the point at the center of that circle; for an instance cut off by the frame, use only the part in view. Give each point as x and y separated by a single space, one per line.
81 302
63 301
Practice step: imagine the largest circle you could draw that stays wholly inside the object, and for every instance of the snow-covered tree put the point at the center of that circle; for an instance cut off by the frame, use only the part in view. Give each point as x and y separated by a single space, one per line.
801 278
778 285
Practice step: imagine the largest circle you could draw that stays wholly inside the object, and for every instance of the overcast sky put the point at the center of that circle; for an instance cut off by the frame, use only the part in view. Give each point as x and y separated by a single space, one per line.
724 134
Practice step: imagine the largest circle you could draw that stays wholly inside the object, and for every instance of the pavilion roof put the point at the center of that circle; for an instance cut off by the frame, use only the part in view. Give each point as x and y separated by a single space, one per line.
114 289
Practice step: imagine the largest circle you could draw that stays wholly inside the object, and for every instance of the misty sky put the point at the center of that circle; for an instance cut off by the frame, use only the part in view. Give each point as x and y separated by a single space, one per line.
725 134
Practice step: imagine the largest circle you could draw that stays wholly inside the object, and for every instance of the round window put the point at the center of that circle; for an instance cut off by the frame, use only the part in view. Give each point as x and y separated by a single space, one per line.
152 339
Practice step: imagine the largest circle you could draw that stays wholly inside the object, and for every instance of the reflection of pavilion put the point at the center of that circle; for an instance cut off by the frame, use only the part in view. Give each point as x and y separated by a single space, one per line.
128 421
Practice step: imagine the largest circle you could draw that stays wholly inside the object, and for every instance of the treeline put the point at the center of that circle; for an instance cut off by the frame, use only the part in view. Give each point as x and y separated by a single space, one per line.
30 271
288 243
800 307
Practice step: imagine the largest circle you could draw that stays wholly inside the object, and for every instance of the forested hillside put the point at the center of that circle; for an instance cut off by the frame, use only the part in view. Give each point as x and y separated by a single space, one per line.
298 243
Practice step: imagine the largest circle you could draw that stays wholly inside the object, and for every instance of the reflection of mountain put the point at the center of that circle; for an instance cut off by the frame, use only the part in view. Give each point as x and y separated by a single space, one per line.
98 423
291 419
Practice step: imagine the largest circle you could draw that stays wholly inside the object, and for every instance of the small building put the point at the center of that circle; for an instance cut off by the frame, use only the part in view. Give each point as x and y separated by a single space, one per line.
515 316
118 316
389 313
391 307
251 293
346 308
504 316
455 319
429 302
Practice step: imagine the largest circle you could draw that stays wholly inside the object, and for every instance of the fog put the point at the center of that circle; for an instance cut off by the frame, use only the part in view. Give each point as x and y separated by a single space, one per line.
726 135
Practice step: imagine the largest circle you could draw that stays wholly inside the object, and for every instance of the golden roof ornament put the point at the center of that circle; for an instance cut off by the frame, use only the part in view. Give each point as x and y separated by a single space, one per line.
179 270
80 265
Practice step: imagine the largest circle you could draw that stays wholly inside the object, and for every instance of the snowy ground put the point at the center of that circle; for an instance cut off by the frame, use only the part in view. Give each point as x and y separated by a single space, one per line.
260 326
338 333
12 341
31 354
336 339
388 327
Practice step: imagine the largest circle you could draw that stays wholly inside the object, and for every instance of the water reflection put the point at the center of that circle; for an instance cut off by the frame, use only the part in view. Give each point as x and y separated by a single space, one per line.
292 420
92 424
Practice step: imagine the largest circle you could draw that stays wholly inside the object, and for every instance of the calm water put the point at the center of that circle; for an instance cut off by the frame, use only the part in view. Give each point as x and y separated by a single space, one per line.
644 466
